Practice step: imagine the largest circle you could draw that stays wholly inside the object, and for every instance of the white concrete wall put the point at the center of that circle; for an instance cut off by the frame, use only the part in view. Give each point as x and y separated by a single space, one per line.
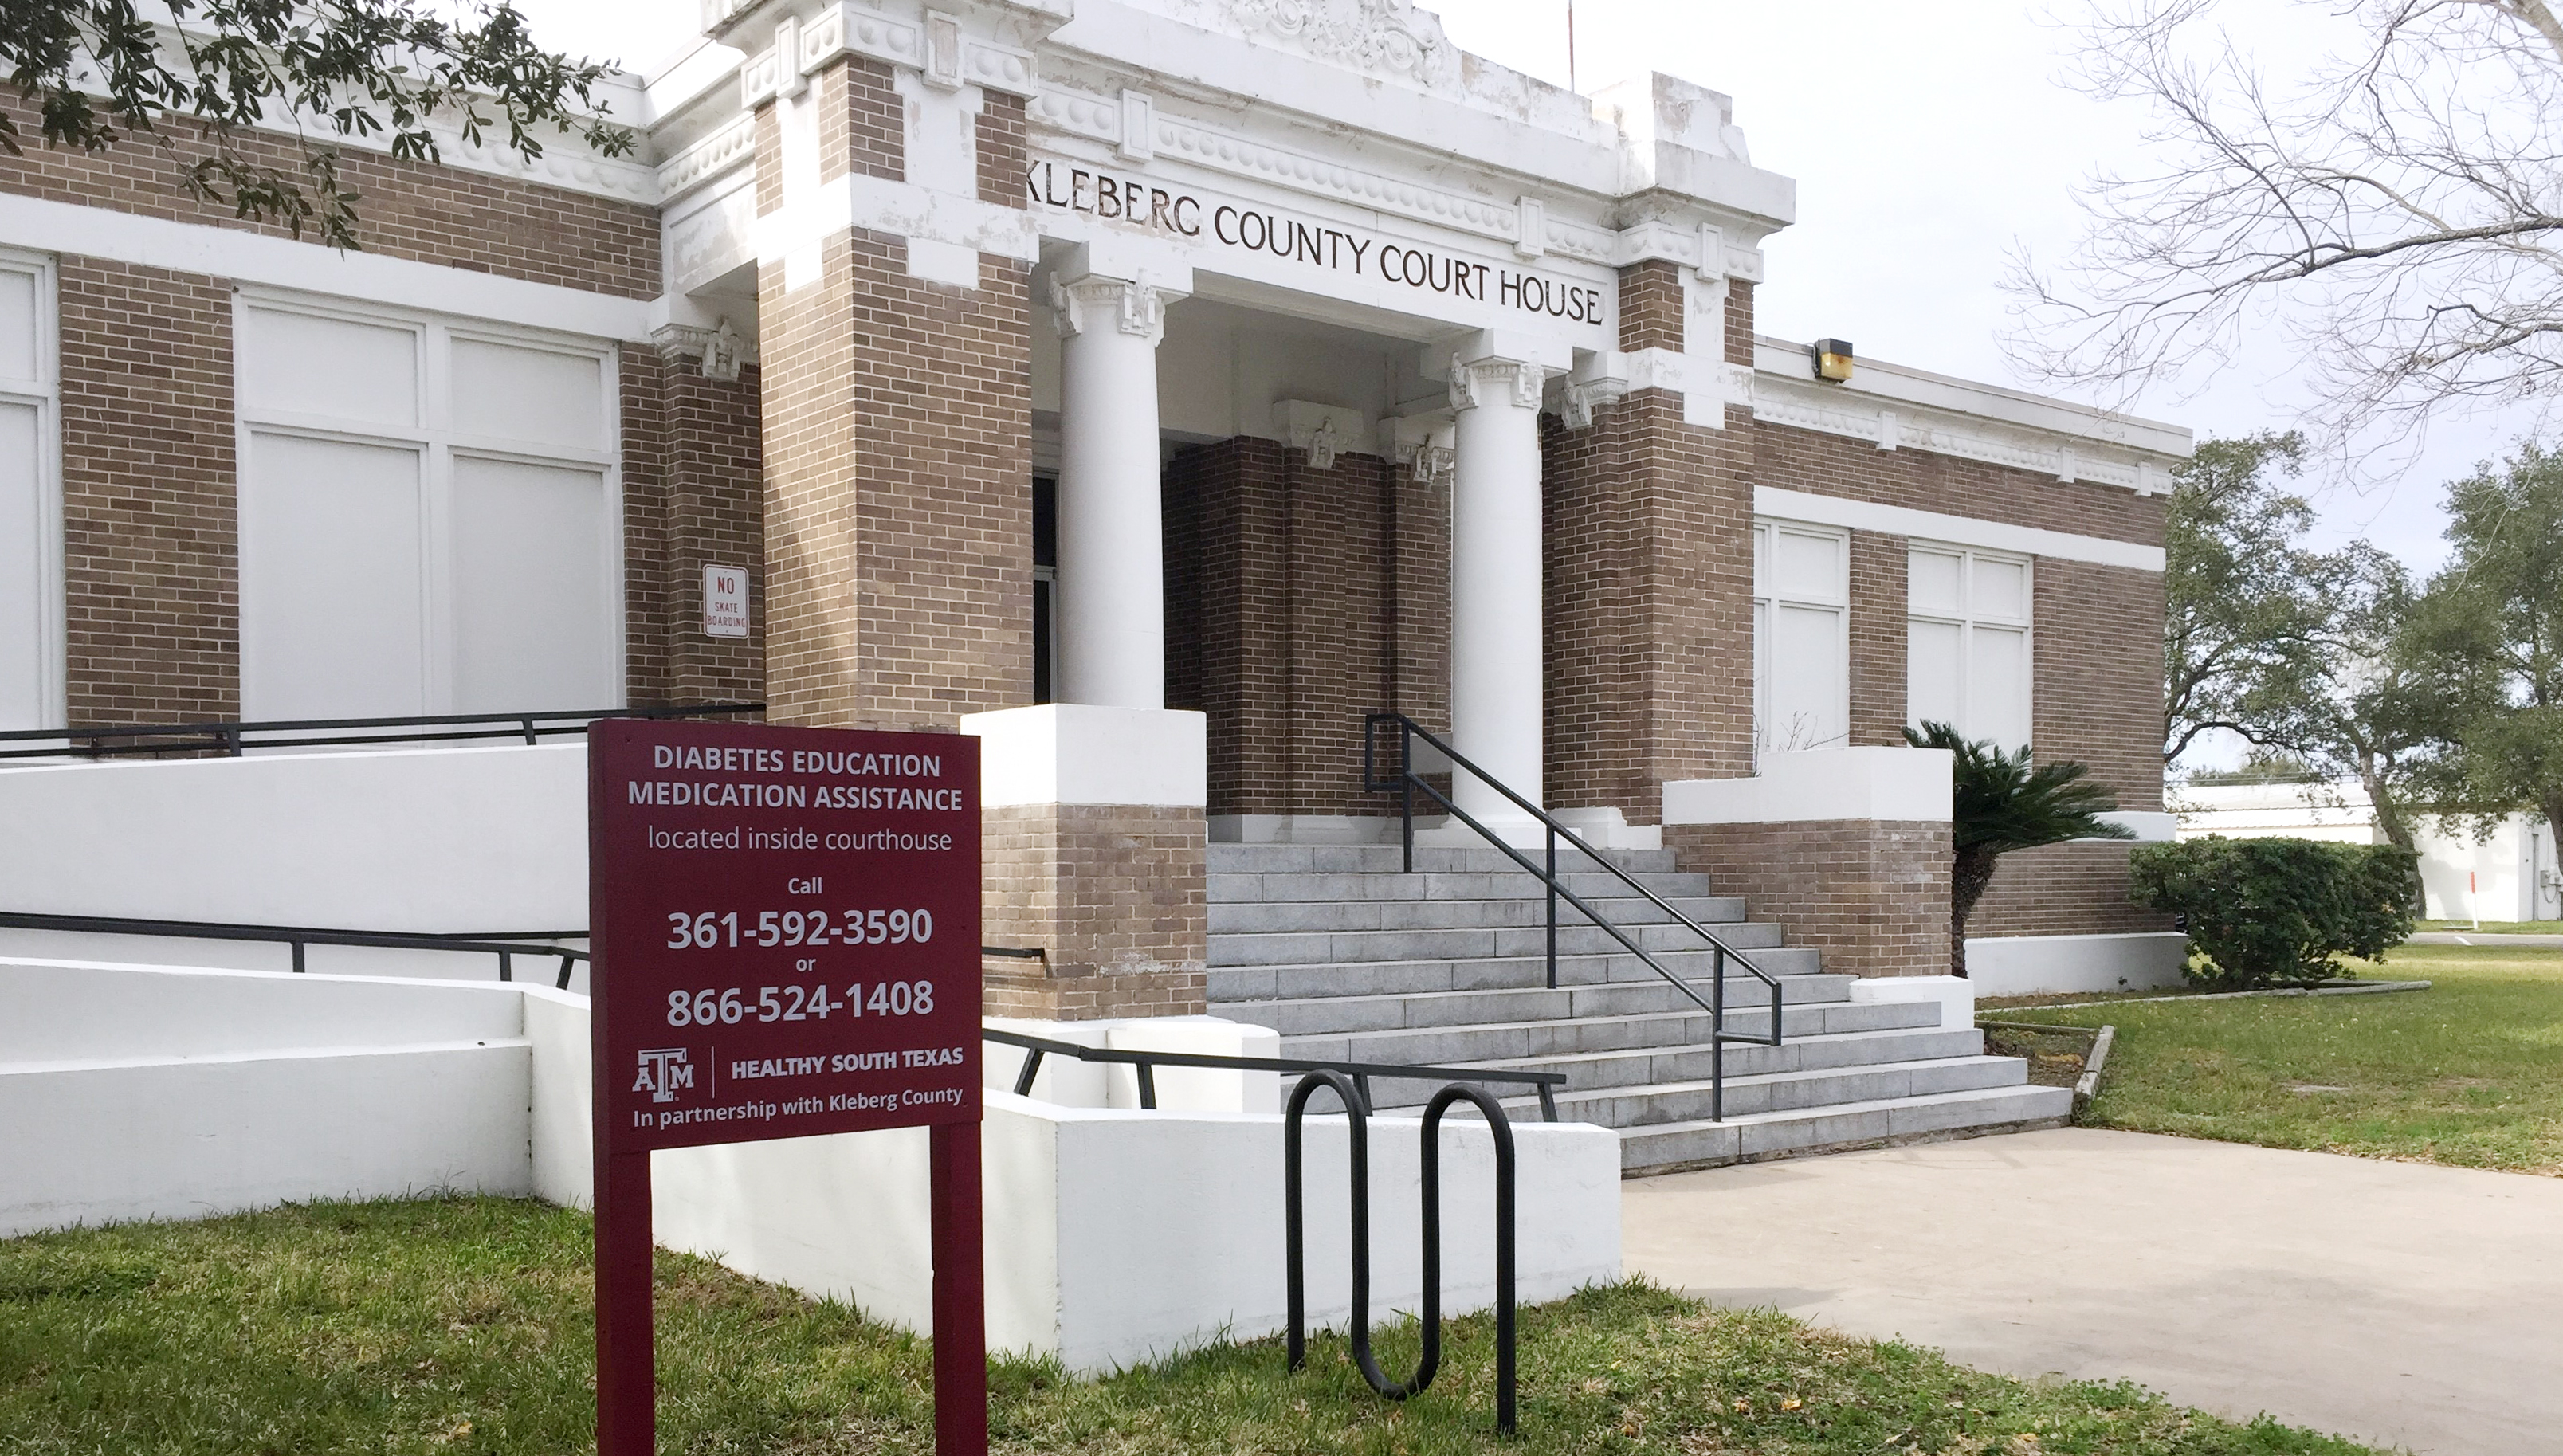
1896 785
143 1092
431 840
2511 875
2033 965
1112 1235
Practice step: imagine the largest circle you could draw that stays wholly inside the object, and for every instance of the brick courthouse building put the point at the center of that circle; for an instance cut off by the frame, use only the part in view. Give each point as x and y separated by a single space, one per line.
1213 370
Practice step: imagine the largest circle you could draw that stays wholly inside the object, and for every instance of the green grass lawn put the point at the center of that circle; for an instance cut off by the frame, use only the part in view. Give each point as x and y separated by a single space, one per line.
463 1325
2469 1072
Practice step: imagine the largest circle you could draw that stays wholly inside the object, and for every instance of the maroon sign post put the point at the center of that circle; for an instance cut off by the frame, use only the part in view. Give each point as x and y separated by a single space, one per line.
786 930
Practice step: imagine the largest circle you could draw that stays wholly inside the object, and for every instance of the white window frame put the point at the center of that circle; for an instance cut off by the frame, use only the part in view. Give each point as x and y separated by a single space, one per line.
45 394
1765 605
440 444
1966 620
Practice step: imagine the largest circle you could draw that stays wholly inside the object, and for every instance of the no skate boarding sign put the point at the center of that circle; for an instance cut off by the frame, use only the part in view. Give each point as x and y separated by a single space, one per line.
786 930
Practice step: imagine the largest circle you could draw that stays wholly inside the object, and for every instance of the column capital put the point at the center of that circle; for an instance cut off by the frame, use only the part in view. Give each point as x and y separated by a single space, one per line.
1491 380
1093 300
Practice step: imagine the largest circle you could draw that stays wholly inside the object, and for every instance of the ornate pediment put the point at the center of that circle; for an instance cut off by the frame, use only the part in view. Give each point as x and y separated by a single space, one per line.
1395 39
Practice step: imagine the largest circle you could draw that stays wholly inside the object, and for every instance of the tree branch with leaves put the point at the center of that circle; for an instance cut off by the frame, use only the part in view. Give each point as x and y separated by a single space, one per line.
197 77
2000 803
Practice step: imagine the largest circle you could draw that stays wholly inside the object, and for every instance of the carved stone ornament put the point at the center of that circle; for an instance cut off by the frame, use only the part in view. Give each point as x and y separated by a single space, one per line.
1529 381
1322 446
1139 308
1583 399
1393 38
720 348
1434 464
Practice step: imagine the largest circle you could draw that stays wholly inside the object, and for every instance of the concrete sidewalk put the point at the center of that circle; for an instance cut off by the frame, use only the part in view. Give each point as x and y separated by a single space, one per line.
2398 1304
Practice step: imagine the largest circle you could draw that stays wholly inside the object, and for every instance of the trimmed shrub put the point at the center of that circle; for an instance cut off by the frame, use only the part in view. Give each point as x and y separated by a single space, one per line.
2279 912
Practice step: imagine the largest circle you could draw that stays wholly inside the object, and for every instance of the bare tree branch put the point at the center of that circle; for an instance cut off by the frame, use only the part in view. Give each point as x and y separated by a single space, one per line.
2396 209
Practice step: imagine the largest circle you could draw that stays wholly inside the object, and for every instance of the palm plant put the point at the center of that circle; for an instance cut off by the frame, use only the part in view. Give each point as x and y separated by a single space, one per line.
2001 803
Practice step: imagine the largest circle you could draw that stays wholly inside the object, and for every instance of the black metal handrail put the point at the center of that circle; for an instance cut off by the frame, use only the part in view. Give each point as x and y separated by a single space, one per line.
297 937
1357 1323
232 738
1544 1083
1408 781
486 942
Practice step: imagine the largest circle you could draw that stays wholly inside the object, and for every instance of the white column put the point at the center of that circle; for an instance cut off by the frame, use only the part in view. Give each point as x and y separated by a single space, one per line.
1111 595
1497 659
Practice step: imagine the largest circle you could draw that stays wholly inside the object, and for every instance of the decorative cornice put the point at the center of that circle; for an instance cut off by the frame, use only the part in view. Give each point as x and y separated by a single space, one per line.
1527 225
937 49
1805 405
1390 39
733 145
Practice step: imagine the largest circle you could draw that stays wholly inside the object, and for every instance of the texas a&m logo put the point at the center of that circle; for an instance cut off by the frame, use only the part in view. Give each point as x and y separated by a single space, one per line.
664 1072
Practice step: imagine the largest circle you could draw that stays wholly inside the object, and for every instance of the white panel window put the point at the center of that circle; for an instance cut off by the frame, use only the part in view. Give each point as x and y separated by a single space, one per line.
508 577
431 517
1968 656
30 499
1801 635
335 614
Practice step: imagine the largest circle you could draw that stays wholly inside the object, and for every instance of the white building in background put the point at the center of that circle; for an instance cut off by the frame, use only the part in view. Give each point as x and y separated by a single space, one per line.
2509 875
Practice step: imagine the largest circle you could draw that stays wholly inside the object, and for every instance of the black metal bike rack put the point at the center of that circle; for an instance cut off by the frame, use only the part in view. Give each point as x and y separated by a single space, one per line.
1357 1118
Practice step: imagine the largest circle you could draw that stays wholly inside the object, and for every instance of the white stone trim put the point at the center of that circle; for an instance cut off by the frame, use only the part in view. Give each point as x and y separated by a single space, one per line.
2032 965
243 257
1956 996
43 393
1073 753
1894 406
1958 531
1889 785
732 146
911 212
2148 826
1530 225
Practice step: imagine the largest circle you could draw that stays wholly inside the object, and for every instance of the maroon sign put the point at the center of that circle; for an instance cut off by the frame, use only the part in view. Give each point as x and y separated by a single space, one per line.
786 930
786 927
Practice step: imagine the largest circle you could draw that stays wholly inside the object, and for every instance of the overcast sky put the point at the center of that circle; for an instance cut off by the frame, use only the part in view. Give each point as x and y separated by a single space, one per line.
1926 141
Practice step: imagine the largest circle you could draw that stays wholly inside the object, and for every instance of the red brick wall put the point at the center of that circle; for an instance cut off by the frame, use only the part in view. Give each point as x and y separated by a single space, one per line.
898 517
1294 598
716 518
1878 646
2096 694
1115 894
151 515
1649 604
1872 897
2061 890
1834 465
405 209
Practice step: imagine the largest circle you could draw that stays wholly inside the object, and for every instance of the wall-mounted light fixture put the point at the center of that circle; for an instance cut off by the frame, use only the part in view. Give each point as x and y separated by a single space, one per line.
1832 358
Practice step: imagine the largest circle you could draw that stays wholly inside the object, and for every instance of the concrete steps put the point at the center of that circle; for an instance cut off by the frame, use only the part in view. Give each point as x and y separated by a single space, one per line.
1349 957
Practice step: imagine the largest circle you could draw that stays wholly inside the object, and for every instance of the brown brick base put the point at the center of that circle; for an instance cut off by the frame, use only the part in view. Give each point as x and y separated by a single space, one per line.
1873 897
1115 894
2077 889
